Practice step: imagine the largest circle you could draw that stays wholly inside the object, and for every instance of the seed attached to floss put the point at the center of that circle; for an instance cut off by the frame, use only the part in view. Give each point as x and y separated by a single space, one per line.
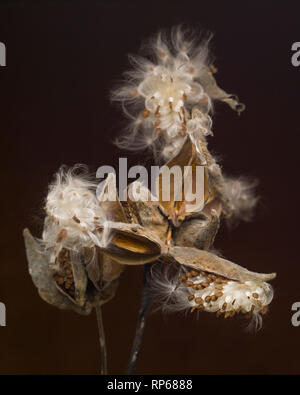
191 297
74 218
62 235
146 113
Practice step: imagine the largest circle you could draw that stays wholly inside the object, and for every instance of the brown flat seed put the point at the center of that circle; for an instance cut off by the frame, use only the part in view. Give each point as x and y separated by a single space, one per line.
255 295
218 280
219 313
227 314
189 283
219 294
182 277
199 300
193 309
146 113
77 220
195 287
200 307
194 273
199 286
188 274
259 303
157 123
224 306
208 299
219 287
62 234
204 285
191 297
213 298
158 131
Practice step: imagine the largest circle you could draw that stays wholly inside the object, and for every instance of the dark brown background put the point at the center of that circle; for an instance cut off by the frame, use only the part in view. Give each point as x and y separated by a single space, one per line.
62 60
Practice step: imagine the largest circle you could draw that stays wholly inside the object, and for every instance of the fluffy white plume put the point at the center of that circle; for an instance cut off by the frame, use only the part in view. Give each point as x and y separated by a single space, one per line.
240 199
73 213
159 94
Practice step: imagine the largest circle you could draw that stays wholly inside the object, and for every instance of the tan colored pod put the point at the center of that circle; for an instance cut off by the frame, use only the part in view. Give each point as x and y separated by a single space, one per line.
208 262
131 244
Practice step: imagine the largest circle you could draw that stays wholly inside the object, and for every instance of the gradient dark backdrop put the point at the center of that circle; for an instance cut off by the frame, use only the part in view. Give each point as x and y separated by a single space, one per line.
62 60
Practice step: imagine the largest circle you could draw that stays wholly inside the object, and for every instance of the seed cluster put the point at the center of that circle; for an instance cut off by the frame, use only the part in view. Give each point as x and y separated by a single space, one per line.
63 274
212 293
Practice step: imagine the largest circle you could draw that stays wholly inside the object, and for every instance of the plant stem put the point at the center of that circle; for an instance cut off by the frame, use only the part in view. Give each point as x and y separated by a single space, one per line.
102 340
146 302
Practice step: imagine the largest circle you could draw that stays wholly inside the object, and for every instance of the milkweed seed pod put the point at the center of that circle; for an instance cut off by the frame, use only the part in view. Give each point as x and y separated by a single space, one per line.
86 242
67 264
161 91
170 95
206 282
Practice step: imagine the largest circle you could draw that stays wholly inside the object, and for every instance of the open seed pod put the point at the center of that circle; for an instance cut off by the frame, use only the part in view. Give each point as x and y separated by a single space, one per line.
144 209
66 286
131 244
179 203
206 282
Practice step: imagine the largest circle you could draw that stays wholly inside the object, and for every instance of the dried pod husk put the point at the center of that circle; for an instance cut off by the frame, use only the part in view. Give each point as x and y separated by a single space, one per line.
43 279
209 262
198 232
177 207
66 285
144 209
100 268
131 244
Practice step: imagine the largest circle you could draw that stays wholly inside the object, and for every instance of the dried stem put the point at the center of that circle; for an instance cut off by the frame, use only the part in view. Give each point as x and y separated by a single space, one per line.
146 302
102 340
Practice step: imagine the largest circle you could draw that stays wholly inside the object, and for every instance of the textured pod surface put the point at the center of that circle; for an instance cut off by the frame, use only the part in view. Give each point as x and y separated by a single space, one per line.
43 279
177 206
197 232
132 244
204 260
